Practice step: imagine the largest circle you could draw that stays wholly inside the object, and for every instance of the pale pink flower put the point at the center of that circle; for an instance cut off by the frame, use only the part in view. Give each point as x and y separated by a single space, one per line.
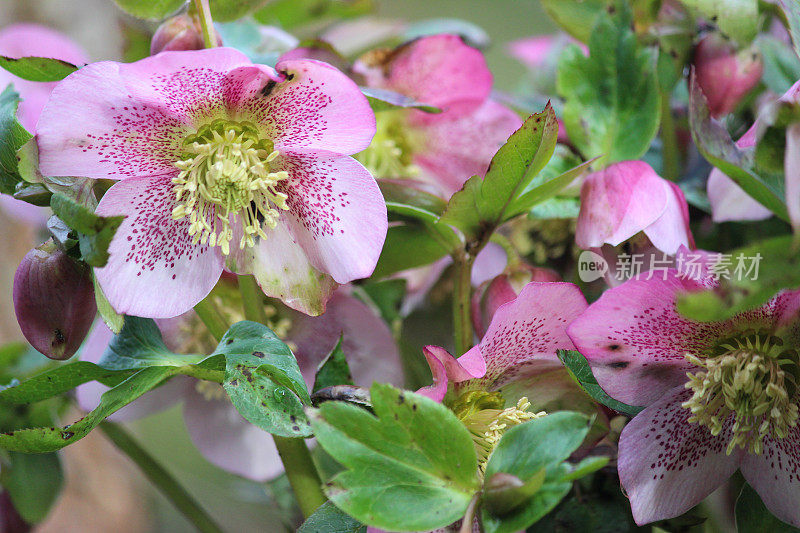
719 396
221 163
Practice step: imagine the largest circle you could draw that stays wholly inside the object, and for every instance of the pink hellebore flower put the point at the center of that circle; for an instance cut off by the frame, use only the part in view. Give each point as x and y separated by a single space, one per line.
728 200
221 163
444 149
215 427
719 396
628 199
21 40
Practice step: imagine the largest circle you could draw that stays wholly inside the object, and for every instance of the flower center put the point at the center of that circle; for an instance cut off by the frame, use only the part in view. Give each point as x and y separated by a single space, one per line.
390 154
752 378
483 414
225 174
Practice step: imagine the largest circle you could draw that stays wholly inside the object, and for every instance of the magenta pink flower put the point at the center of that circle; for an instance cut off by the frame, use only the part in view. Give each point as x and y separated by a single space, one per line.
725 74
221 162
628 198
218 431
719 396
728 200
537 52
444 149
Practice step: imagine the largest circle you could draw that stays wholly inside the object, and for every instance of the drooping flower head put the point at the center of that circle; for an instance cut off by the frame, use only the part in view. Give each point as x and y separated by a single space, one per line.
443 149
719 396
220 162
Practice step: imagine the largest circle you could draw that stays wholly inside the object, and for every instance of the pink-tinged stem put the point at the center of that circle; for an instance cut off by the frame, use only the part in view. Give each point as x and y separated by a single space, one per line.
206 23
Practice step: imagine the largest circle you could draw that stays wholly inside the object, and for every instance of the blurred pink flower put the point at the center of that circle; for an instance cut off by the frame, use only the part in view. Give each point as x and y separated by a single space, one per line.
725 74
541 51
443 149
719 396
215 427
220 162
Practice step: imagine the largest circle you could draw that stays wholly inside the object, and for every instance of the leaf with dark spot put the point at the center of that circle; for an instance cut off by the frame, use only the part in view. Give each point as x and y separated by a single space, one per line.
578 367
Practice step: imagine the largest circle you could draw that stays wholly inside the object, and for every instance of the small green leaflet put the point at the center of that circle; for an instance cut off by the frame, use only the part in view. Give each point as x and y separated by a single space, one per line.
386 100
38 68
411 468
34 482
333 370
579 369
408 246
95 232
330 519
57 381
12 137
752 516
139 345
150 9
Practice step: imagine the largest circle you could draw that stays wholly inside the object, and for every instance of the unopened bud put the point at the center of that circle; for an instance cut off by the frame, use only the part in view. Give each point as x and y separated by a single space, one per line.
725 75
54 301
502 289
505 492
181 32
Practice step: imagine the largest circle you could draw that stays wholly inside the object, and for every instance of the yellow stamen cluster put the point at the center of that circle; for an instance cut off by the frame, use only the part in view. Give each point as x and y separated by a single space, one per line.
390 154
752 378
225 174
486 419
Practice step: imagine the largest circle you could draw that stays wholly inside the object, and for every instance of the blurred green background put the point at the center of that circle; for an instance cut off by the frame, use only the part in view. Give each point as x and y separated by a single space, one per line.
104 491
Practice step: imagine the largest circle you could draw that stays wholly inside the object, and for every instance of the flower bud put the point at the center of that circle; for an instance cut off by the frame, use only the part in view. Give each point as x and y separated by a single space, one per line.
506 492
502 289
10 520
54 301
181 32
725 75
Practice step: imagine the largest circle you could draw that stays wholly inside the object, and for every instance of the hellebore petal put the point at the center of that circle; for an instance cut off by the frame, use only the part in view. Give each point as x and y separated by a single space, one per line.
54 301
792 173
627 198
668 465
446 368
724 74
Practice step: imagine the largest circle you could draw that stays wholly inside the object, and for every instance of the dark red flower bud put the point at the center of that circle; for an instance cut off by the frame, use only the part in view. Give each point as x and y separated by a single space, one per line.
181 32
724 74
54 301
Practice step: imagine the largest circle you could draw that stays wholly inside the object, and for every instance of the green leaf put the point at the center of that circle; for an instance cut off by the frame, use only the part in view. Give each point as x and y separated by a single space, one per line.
150 9
778 267
781 64
33 482
719 149
578 367
403 199
482 204
38 68
408 246
385 296
57 381
410 468
112 319
736 18
12 137
752 516
386 100
39 440
333 370
612 103
576 17
139 345
586 467
330 519
263 380
792 10
228 10
290 14
524 451
94 231
547 190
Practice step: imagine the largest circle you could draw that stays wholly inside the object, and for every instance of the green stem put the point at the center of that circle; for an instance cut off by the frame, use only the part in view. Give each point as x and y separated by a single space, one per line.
162 479
208 313
462 295
252 299
669 141
206 24
303 476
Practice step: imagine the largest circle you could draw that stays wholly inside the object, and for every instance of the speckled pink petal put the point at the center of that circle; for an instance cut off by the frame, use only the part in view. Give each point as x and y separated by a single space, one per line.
316 108
445 368
228 440
671 230
336 214
154 269
667 465
533 326
775 475
283 271
441 70
457 148
635 339
619 202
366 340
